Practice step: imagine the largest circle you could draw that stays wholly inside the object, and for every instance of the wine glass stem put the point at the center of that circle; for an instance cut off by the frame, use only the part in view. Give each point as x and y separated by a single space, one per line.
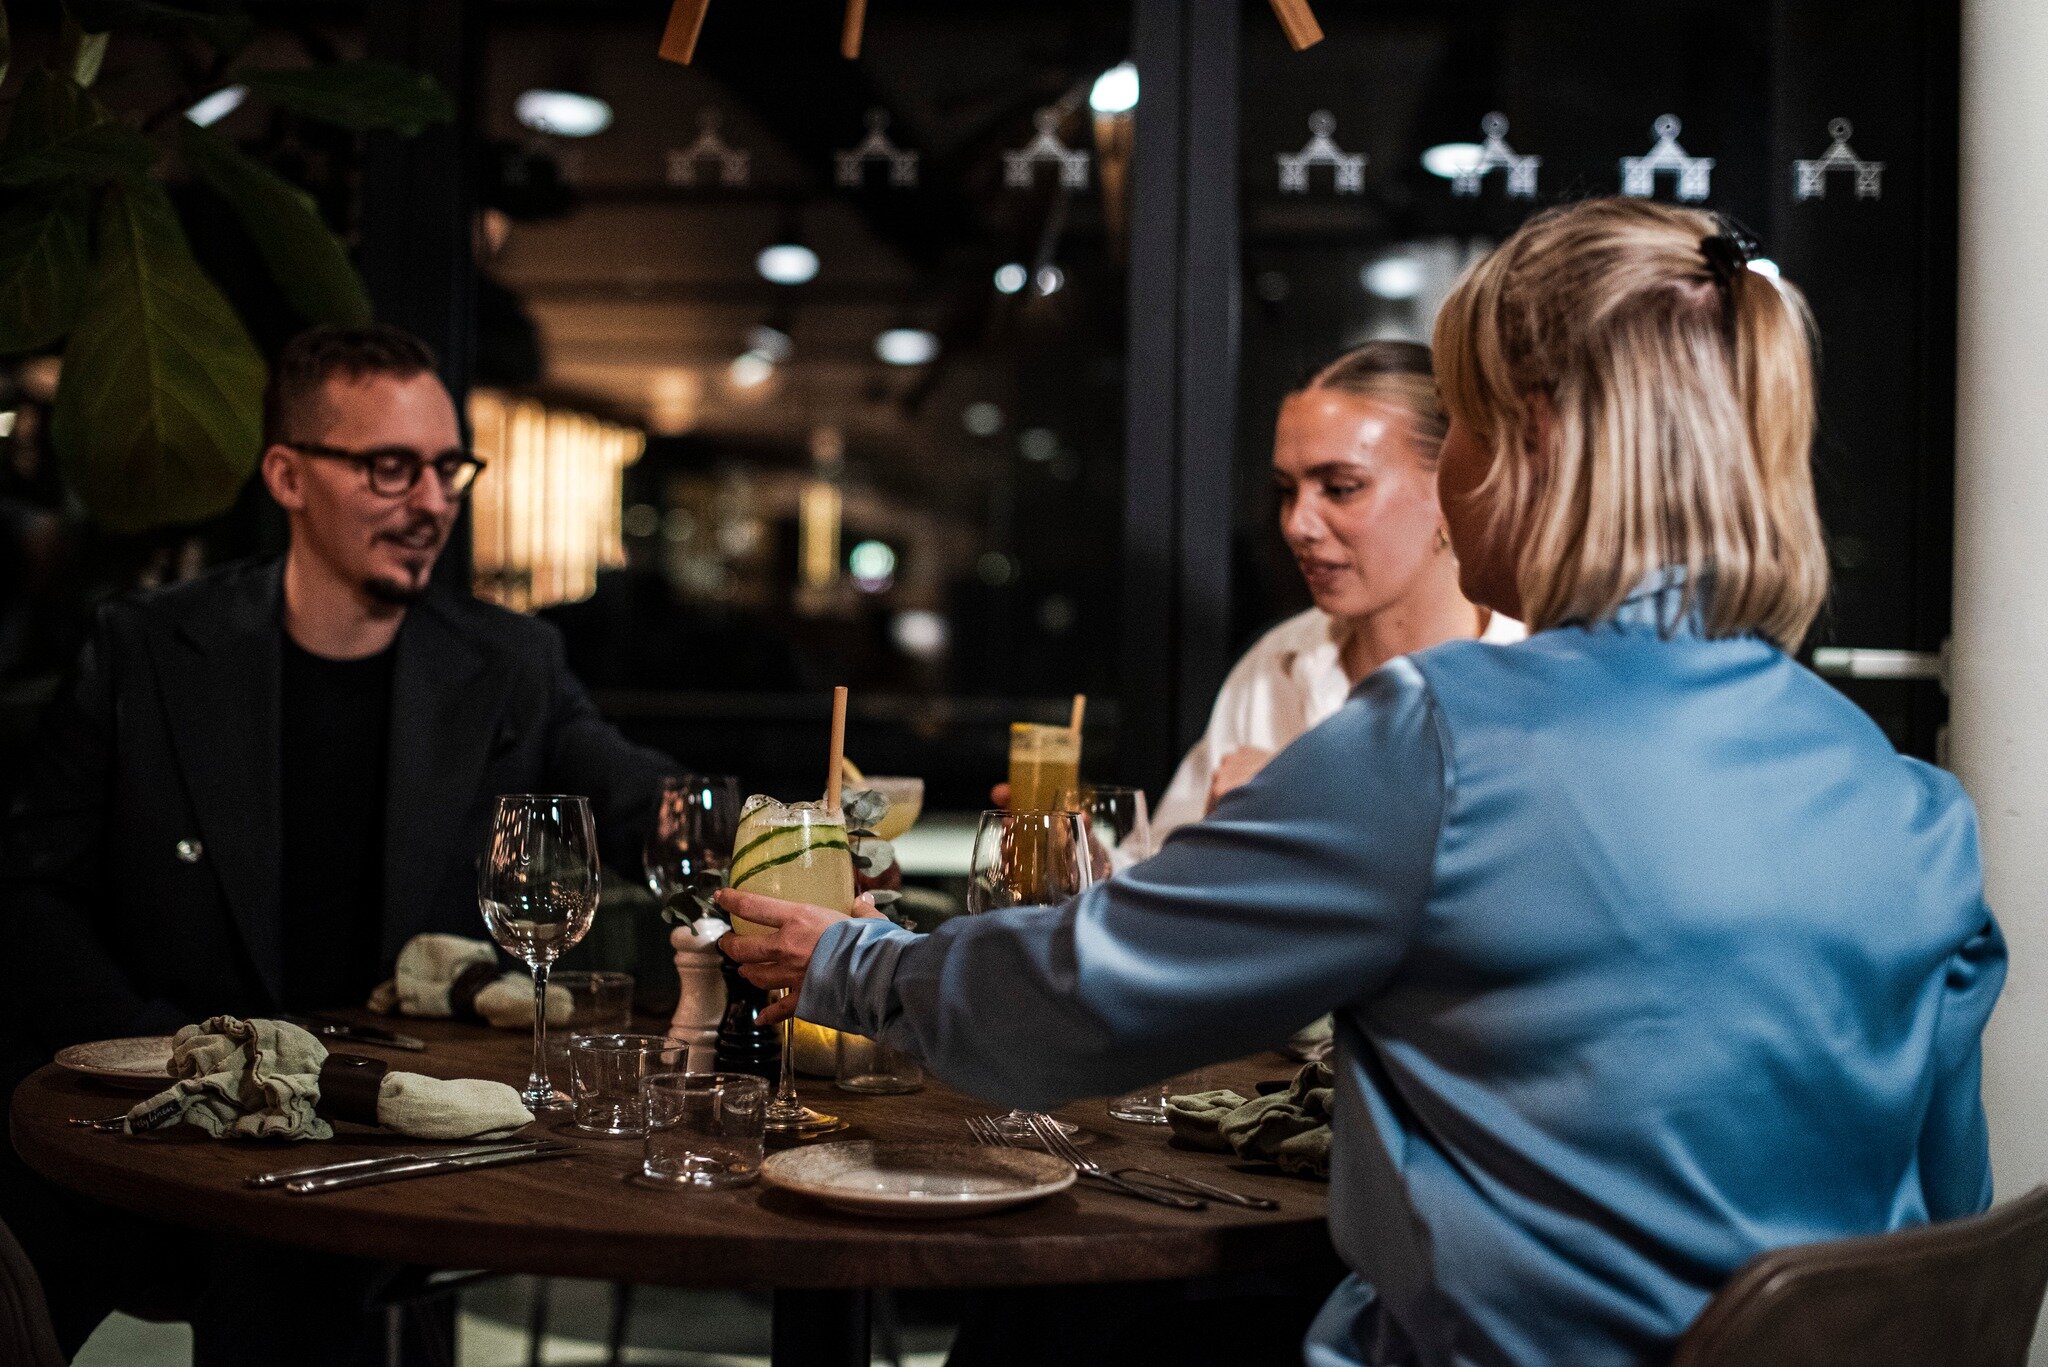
537 1083
785 1087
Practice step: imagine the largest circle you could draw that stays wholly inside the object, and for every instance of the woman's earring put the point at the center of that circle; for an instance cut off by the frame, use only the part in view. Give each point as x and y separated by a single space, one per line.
1443 538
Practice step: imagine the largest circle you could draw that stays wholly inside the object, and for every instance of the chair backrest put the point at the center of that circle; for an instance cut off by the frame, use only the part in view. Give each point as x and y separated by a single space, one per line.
26 1338
1964 1293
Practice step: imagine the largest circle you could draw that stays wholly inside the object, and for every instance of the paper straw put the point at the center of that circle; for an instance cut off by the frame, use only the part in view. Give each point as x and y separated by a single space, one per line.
835 771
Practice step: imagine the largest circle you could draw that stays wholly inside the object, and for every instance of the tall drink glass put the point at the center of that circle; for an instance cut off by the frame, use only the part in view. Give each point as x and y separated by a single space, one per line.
537 888
1045 761
797 852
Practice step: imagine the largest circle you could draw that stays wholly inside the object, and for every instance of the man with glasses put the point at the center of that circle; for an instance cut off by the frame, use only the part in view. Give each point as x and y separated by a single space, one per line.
258 785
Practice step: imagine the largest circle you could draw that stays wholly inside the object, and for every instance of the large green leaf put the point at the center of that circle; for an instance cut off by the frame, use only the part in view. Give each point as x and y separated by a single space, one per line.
43 272
81 50
160 403
104 151
225 30
360 95
49 107
307 260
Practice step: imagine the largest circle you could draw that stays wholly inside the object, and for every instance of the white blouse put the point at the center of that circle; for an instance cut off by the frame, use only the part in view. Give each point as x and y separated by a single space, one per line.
1289 682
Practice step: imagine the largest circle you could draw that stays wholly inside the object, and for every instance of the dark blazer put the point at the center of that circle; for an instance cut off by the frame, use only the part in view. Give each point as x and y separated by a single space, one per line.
140 868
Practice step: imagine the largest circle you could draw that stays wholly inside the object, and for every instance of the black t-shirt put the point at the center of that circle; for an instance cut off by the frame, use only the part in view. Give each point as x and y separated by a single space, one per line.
336 736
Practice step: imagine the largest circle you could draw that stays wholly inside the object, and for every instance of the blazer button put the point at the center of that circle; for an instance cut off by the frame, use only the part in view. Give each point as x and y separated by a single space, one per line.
189 851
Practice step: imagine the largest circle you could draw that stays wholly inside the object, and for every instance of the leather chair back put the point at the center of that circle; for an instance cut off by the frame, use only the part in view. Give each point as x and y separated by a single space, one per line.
26 1338
1963 1293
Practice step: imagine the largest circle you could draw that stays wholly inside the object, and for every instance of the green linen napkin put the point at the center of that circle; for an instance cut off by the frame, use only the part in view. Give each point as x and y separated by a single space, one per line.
260 1079
1290 1128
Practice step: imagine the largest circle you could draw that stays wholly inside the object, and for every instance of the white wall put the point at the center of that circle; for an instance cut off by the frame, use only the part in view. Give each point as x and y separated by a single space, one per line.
1998 738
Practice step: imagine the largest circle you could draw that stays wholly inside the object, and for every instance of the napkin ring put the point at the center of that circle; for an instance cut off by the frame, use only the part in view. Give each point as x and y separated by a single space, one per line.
349 1084
463 991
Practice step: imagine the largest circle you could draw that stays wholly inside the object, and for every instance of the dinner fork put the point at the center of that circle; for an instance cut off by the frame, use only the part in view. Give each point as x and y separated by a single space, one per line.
989 1131
1063 1147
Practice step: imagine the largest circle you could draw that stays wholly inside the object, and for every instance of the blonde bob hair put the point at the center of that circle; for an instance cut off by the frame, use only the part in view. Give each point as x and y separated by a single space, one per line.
1680 422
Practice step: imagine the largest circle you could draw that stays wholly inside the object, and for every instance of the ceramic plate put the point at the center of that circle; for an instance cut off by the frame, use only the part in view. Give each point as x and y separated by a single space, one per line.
917 1181
143 1062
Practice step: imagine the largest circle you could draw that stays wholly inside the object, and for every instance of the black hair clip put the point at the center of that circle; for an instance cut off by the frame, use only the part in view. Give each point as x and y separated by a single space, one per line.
1729 251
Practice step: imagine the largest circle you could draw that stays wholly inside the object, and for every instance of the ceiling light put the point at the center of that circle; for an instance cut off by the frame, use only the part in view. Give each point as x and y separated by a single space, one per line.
787 263
217 106
750 370
1051 279
983 418
1452 159
562 113
907 346
1012 277
920 633
1116 90
771 342
1038 443
873 566
1393 277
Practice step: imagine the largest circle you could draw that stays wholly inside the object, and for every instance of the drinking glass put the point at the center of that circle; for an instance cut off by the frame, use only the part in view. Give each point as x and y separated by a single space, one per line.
704 1130
605 1072
798 852
537 888
600 1003
1023 859
906 804
1119 825
1045 761
695 818
866 1065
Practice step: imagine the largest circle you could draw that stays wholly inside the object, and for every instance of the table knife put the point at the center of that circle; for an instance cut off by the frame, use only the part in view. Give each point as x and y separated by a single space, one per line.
284 1175
357 1034
425 1167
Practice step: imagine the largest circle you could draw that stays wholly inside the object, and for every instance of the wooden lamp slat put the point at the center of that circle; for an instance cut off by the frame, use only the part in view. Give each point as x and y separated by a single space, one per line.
1300 22
855 26
685 22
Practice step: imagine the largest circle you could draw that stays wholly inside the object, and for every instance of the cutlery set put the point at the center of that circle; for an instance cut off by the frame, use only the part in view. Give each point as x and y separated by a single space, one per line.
1146 1184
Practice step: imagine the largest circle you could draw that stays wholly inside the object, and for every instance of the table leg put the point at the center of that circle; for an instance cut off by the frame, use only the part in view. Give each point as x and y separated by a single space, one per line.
820 1329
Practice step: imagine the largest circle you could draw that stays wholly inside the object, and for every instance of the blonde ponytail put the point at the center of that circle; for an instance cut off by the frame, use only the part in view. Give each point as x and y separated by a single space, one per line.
1681 399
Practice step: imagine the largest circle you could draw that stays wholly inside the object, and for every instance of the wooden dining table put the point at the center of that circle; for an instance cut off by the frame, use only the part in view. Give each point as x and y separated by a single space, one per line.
585 1216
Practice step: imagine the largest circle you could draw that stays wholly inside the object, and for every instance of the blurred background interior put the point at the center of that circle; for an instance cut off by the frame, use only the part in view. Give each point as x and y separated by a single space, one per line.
949 373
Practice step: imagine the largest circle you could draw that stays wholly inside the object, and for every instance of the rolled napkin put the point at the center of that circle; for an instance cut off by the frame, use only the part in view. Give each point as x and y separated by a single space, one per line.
266 1079
449 977
1290 1128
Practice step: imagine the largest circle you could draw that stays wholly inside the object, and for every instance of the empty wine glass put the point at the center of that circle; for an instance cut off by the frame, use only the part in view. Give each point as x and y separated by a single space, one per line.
695 818
537 887
1119 825
1024 859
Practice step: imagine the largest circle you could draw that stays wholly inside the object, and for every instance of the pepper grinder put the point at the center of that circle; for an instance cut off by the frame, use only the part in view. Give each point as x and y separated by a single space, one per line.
744 1045
700 1004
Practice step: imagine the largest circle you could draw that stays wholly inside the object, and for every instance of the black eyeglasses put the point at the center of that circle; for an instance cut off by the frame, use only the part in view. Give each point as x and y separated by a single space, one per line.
393 471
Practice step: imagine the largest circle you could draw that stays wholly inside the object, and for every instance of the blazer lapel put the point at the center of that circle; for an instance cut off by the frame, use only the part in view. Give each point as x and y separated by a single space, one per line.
220 675
444 713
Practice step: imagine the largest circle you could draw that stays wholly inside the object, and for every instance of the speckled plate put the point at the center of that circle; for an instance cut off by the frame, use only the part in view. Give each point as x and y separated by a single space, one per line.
917 1181
143 1062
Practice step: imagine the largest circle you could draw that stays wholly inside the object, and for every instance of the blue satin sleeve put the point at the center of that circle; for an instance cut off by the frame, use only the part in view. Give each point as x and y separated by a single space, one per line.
1298 895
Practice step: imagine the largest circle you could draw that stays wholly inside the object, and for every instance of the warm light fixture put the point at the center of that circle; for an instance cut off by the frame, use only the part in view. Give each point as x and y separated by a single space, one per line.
1115 90
787 263
1453 159
217 106
562 113
818 522
1012 277
1393 277
907 346
548 510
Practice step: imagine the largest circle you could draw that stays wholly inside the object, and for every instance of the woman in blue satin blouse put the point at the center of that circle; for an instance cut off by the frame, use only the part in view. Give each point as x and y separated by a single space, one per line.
1647 952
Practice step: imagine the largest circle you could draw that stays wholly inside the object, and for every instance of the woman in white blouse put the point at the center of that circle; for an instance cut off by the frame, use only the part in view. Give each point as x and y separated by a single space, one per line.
1354 456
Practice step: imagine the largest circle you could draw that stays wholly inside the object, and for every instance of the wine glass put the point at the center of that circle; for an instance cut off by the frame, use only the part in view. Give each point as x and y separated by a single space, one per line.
537 887
797 852
1025 859
1119 825
695 819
